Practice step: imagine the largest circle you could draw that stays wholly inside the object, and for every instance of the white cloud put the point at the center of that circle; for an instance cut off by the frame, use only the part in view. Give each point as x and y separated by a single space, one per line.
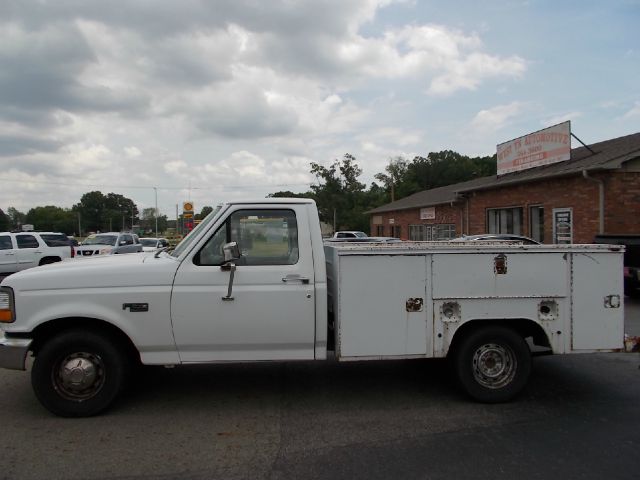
493 119
561 118
633 112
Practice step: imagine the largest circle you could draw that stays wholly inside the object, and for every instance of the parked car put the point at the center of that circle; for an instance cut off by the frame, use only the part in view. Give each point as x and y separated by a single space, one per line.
109 243
631 270
362 240
349 234
153 244
497 237
22 250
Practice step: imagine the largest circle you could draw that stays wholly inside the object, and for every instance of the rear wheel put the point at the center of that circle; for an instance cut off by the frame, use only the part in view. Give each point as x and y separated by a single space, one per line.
493 364
79 373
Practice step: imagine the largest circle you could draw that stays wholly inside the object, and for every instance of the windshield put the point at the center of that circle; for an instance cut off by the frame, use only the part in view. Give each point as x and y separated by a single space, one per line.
148 242
360 234
100 240
188 240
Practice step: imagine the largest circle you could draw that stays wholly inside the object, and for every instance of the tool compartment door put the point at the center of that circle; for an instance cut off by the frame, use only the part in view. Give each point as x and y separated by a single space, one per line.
373 318
596 324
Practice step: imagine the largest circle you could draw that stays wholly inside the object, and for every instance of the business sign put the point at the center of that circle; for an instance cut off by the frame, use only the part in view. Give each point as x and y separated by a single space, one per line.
428 213
562 225
550 145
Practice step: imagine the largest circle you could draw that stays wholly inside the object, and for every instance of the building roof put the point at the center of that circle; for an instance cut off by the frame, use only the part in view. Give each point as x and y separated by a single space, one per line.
607 155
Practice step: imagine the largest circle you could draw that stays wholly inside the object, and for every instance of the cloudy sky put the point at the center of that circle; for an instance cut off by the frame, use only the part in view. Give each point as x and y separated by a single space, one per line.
221 99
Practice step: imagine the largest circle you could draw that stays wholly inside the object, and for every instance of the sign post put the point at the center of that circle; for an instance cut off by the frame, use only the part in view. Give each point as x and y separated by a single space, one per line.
187 215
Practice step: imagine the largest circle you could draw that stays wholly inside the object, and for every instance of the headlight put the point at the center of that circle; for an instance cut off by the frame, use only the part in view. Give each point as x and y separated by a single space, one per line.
105 251
7 307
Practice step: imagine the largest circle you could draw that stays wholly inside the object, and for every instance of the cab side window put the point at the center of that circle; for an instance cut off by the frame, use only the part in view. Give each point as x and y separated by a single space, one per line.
265 237
5 242
127 239
27 241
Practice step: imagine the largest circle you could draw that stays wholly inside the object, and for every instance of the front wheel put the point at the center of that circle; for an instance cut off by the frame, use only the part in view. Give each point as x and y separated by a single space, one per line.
78 373
493 364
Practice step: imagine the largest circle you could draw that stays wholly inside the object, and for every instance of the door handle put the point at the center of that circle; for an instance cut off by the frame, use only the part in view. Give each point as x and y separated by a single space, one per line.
295 278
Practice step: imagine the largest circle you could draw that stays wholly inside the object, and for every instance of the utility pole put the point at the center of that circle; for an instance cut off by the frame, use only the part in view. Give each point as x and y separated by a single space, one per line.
155 190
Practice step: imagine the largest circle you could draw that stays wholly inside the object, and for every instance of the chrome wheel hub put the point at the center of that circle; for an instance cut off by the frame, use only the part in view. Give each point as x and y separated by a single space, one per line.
494 366
79 376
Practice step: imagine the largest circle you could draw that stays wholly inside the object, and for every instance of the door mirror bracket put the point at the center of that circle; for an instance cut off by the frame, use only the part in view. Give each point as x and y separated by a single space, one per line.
231 252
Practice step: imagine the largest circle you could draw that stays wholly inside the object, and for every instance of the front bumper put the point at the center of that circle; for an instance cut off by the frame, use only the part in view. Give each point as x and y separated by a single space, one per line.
13 352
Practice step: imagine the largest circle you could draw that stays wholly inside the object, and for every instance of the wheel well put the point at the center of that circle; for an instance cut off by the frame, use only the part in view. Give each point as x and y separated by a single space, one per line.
45 260
522 326
49 329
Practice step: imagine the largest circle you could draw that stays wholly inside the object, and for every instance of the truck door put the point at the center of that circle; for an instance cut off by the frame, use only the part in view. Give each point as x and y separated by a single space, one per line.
29 251
8 259
270 315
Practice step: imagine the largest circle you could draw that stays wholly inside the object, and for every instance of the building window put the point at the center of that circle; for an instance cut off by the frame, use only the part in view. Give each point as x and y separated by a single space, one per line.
395 231
427 233
380 230
504 220
536 223
444 232
418 233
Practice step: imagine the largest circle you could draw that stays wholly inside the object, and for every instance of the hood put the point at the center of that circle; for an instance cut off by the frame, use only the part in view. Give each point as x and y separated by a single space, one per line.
132 269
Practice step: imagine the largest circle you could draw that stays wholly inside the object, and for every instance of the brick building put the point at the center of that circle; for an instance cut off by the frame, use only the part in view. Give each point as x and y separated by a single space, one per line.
596 191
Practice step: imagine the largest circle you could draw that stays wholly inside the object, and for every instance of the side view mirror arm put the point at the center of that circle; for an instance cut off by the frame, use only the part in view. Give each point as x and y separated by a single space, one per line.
232 269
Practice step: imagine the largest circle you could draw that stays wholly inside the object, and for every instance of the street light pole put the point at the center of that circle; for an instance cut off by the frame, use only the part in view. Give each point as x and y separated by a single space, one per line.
155 191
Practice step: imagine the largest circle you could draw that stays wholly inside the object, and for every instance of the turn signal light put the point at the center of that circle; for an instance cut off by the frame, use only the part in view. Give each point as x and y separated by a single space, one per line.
6 305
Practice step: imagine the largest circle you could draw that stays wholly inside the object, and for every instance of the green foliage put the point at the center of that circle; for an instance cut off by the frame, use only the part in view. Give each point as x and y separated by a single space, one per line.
339 195
288 194
438 169
5 222
16 218
148 221
54 219
106 212
206 210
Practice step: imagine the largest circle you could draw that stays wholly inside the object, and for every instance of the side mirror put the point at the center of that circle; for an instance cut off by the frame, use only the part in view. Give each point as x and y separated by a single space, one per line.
231 251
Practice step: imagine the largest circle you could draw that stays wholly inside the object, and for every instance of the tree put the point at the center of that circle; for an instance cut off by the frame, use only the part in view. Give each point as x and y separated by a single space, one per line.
52 218
5 221
395 172
100 212
289 194
339 195
148 221
16 218
206 210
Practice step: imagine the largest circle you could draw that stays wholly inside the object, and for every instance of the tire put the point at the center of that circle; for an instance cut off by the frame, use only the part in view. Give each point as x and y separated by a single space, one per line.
493 364
79 373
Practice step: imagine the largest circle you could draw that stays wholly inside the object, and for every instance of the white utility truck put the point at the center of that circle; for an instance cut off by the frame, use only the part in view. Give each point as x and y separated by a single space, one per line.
253 282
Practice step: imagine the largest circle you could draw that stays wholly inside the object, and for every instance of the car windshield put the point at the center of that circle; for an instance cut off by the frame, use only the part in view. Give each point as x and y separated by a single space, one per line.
100 240
188 240
149 242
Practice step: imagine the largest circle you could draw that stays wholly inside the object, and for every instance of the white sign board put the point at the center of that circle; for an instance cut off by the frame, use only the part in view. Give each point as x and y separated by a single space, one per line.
428 213
546 146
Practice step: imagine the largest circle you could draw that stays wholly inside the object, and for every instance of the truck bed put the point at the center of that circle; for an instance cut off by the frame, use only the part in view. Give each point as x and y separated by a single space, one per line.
408 299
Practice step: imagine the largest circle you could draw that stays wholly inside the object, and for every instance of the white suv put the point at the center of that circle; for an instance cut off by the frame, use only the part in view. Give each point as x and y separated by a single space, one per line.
22 250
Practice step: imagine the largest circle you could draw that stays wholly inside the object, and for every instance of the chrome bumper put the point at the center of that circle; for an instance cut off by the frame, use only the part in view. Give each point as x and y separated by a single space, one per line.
13 352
